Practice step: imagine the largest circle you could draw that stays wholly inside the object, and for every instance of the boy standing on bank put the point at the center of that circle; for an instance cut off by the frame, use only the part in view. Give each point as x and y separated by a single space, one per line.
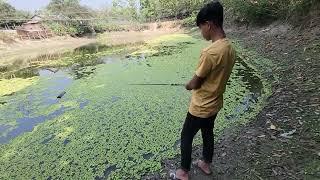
207 85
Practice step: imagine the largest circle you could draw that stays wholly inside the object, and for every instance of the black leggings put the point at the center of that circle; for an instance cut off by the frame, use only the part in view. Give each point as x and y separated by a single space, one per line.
190 128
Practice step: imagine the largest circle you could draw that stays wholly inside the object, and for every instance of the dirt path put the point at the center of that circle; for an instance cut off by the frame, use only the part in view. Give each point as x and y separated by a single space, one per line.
283 141
32 49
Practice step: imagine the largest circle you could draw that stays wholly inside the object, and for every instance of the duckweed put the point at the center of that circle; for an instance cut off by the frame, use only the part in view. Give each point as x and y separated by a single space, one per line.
125 130
9 87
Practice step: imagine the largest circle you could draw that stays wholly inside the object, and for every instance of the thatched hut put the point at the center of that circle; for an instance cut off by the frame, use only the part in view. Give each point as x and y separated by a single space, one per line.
33 29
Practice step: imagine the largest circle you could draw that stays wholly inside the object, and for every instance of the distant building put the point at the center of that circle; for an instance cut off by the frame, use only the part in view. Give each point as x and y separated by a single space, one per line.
33 29
37 18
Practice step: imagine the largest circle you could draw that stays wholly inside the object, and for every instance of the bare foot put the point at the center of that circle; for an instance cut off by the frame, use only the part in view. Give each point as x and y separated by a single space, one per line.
205 167
181 174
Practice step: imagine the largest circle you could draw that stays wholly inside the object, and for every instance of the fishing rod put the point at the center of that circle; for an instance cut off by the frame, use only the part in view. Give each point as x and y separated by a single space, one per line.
157 84
163 84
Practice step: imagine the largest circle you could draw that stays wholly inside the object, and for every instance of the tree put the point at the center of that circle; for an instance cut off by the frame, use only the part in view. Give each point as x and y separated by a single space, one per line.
7 11
126 9
72 17
158 9
9 15
69 8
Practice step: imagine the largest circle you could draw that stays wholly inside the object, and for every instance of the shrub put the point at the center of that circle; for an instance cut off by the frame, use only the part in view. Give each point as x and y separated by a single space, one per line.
190 21
266 11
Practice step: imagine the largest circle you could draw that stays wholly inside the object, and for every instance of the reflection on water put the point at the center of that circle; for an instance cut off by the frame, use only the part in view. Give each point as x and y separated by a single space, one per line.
57 81
107 172
78 69
253 82
148 156
27 124
255 86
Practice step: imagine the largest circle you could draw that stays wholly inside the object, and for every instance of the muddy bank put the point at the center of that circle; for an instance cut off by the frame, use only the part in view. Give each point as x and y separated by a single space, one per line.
283 141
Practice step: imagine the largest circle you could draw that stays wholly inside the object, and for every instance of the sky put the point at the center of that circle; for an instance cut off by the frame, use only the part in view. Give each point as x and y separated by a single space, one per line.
32 5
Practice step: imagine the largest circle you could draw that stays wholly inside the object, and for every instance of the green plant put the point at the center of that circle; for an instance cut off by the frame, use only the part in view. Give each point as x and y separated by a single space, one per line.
113 136
256 12
266 11
190 21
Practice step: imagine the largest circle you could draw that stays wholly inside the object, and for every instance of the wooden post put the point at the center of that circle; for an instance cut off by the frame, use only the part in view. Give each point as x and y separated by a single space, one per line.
45 33
39 35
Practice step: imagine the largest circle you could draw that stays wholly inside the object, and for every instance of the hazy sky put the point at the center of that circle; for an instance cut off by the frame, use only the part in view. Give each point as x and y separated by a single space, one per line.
32 5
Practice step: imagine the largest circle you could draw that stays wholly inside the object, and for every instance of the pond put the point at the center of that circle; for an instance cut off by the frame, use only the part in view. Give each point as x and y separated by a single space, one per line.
116 118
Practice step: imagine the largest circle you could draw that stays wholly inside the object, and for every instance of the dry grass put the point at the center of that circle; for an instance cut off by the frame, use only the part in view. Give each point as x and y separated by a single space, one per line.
33 49
153 30
6 37
120 38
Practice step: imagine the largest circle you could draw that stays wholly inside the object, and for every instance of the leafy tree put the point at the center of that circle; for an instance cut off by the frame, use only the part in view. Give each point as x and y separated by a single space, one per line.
73 17
126 9
158 9
9 15
69 8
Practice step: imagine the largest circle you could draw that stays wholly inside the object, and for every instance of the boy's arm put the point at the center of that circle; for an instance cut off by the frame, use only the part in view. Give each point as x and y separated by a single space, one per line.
195 83
204 68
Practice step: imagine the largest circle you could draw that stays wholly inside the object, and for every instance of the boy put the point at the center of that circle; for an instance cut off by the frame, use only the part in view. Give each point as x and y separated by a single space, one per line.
208 85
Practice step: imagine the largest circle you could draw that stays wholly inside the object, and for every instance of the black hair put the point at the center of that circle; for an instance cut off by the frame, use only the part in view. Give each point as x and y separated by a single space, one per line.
213 12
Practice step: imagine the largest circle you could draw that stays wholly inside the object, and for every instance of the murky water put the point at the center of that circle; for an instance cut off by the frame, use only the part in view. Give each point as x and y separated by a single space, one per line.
60 79
116 102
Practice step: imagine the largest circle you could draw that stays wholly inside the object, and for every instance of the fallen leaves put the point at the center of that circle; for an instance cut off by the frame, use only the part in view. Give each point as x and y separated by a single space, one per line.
273 127
289 134
262 136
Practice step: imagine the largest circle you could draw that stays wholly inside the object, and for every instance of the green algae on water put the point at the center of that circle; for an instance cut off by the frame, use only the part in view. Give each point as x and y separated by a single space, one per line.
11 86
125 130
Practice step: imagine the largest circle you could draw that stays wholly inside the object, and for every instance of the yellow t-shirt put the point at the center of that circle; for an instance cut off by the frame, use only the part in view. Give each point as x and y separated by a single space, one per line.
215 65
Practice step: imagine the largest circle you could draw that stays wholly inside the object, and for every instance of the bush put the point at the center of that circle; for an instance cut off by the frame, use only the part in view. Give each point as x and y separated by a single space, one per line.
114 27
266 11
72 29
190 21
302 8
59 29
257 12
99 27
